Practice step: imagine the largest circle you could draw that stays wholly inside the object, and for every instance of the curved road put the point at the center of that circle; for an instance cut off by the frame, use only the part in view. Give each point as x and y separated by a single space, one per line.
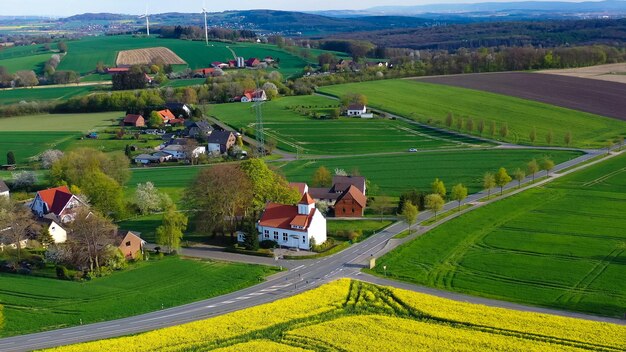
304 275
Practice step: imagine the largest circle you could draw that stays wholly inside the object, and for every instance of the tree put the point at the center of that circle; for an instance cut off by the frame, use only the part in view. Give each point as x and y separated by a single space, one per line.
239 141
532 135
24 179
489 182
44 237
381 204
519 175
409 214
49 157
504 130
16 220
359 49
271 145
10 158
434 203
353 98
549 137
189 149
267 185
547 165
251 236
170 233
413 196
438 187
568 138
469 125
481 127
449 120
90 236
502 178
459 193
147 198
532 168
492 129
26 78
270 89
155 120
62 46
322 178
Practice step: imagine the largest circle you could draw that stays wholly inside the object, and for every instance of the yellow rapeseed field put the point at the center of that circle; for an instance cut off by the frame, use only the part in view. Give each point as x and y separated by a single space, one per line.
354 316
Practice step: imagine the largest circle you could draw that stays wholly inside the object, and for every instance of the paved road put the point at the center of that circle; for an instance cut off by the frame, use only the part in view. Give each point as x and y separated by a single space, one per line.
304 275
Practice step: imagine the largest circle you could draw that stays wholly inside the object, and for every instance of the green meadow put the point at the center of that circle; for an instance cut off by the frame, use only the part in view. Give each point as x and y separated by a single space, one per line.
34 304
13 96
562 245
285 120
430 103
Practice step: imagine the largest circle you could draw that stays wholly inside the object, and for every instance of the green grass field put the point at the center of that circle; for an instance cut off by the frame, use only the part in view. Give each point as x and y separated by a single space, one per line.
28 144
84 54
32 62
13 96
34 304
423 101
23 51
293 129
394 174
562 245
59 122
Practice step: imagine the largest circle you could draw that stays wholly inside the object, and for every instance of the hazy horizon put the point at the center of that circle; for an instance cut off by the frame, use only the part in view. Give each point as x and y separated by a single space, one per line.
73 7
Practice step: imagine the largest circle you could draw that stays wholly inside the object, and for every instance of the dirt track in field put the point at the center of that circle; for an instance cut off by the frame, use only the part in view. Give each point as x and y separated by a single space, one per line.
148 56
589 95
608 72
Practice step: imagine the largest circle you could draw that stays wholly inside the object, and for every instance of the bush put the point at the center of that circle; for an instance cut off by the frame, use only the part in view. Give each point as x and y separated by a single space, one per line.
268 244
62 273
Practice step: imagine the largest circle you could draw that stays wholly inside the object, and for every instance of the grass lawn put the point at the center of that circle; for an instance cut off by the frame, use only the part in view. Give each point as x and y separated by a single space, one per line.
32 62
368 227
28 144
12 96
285 121
60 122
34 304
562 245
354 316
423 101
394 174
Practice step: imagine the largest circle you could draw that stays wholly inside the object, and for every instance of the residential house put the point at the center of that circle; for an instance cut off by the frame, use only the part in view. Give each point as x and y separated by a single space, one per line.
148 159
58 201
177 149
134 120
163 156
294 226
195 129
253 62
4 189
180 110
130 244
219 142
253 95
356 110
350 204
220 65
57 232
167 116
342 183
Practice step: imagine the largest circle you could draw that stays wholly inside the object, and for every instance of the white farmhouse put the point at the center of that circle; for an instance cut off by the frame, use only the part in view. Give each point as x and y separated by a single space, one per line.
293 225
357 110
58 233
4 189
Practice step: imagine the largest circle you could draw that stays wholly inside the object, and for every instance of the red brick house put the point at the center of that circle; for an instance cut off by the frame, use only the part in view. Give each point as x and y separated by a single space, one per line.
131 245
134 120
351 204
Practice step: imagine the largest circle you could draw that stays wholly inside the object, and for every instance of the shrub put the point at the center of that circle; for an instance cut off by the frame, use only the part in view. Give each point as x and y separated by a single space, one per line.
268 244
62 272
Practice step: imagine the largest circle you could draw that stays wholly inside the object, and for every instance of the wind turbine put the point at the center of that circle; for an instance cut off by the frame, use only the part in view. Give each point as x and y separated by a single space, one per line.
206 26
147 17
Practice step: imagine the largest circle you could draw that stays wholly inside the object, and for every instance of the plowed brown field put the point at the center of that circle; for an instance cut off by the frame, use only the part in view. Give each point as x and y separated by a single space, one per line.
148 56
589 95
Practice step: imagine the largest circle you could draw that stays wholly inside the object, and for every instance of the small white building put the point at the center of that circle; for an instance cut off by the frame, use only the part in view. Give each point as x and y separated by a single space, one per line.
293 225
4 189
178 151
357 110
58 233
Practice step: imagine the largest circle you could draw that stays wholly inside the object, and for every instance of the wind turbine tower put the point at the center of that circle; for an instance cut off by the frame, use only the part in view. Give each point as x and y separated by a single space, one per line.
147 17
206 26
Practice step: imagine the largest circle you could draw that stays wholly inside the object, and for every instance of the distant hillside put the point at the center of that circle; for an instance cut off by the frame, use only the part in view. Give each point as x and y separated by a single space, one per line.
547 33
98 17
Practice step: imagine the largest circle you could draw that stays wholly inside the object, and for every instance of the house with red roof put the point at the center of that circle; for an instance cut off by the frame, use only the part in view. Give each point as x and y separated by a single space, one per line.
58 203
169 118
134 120
294 226
253 62
204 72
252 95
351 203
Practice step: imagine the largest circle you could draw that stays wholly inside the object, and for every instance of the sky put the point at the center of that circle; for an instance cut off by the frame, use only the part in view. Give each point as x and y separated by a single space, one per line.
72 7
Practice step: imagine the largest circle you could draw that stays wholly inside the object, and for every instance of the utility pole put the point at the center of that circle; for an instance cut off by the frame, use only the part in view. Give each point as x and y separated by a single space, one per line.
260 134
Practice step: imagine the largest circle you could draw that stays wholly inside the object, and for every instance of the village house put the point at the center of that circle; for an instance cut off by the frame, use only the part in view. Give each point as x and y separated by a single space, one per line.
148 159
195 129
58 201
253 62
347 196
4 189
294 226
350 204
219 142
203 72
169 118
56 231
180 110
178 150
134 121
252 96
130 244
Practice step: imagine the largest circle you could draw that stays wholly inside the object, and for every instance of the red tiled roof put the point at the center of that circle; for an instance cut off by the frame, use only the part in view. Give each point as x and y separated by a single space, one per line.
166 115
306 199
282 216
299 186
55 198
130 118
354 193
117 69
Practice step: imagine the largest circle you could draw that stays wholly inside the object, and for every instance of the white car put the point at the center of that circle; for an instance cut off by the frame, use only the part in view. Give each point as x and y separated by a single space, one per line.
412 150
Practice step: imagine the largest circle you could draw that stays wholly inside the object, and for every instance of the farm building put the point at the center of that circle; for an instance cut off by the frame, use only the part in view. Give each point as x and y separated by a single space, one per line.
347 197
293 225
356 110
253 62
204 72
148 159
58 201
350 204
134 121
131 245
4 189
219 142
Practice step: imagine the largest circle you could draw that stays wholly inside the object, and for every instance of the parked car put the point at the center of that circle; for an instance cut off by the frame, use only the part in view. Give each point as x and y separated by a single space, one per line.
412 150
